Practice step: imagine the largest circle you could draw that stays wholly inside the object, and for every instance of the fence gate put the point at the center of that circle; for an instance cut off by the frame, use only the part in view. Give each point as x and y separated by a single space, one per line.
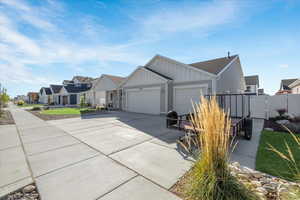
259 107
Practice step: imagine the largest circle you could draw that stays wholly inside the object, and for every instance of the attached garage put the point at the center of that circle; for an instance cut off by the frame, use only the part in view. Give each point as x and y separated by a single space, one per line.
184 96
145 91
145 100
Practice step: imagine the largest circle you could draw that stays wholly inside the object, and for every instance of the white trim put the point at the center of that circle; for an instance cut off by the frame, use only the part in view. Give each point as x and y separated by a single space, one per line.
191 86
227 66
166 97
179 63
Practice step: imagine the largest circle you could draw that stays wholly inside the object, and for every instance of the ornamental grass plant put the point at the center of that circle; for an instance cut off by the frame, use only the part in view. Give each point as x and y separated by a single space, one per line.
210 177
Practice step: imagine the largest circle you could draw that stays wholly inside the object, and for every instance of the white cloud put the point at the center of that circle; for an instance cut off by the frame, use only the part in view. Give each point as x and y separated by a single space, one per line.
283 66
19 50
195 16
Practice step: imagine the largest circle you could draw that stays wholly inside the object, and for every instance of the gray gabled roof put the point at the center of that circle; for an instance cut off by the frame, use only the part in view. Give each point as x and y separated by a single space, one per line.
214 66
56 88
286 82
47 90
116 79
252 80
72 88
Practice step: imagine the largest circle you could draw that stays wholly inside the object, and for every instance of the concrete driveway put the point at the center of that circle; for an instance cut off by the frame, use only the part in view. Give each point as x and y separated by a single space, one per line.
112 156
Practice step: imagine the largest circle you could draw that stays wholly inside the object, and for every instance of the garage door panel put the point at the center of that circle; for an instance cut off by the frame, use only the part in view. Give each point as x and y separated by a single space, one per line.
185 97
144 101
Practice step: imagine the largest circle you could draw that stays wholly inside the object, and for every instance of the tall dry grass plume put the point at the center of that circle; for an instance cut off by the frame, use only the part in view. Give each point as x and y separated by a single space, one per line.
288 156
211 177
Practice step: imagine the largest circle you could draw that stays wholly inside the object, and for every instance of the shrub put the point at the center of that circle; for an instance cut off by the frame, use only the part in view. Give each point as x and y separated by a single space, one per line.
35 108
87 110
281 111
211 177
20 103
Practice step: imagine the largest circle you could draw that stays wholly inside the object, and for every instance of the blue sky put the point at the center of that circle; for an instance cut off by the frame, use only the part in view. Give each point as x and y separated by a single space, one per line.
45 42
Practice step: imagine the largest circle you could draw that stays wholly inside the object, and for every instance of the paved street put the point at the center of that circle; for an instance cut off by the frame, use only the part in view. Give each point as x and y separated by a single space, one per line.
110 156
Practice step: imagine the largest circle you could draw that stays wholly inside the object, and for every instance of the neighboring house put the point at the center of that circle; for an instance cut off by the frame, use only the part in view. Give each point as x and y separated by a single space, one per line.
45 95
295 87
82 79
164 84
33 97
285 86
55 93
106 91
252 84
70 94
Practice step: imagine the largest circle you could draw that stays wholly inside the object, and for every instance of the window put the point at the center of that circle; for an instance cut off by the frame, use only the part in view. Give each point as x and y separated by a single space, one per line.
111 96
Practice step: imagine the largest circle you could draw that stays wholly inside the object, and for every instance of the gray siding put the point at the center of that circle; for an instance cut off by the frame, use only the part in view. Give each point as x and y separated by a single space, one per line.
232 79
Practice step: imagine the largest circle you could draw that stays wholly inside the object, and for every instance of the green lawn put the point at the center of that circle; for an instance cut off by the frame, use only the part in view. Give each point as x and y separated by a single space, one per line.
31 105
62 111
268 161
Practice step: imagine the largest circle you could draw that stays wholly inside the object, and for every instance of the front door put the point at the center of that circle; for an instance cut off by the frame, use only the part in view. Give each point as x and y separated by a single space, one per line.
73 99
65 100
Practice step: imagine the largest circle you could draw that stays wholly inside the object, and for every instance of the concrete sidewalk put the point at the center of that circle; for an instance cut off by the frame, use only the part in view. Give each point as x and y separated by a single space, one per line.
65 167
14 171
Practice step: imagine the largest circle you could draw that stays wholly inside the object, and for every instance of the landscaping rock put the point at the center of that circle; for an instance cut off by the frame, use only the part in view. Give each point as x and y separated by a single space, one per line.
284 121
265 186
29 192
28 189
269 129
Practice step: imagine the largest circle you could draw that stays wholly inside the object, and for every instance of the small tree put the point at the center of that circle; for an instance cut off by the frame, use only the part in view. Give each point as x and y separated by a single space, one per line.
4 98
82 101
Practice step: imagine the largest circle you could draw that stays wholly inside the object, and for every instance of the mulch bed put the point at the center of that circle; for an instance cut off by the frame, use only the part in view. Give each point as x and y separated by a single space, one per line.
273 125
6 118
56 117
180 187
292 126
51 117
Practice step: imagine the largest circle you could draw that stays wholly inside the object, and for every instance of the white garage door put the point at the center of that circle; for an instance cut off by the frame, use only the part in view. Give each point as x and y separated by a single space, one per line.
144 101
184 96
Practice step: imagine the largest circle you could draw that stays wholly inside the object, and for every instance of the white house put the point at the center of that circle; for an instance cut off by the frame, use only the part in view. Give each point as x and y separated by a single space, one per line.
45 95
252 84
164 84
55 93
106 91
70 94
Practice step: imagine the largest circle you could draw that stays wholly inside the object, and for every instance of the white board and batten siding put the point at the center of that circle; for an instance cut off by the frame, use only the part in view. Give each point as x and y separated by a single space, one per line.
179 72
140 96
